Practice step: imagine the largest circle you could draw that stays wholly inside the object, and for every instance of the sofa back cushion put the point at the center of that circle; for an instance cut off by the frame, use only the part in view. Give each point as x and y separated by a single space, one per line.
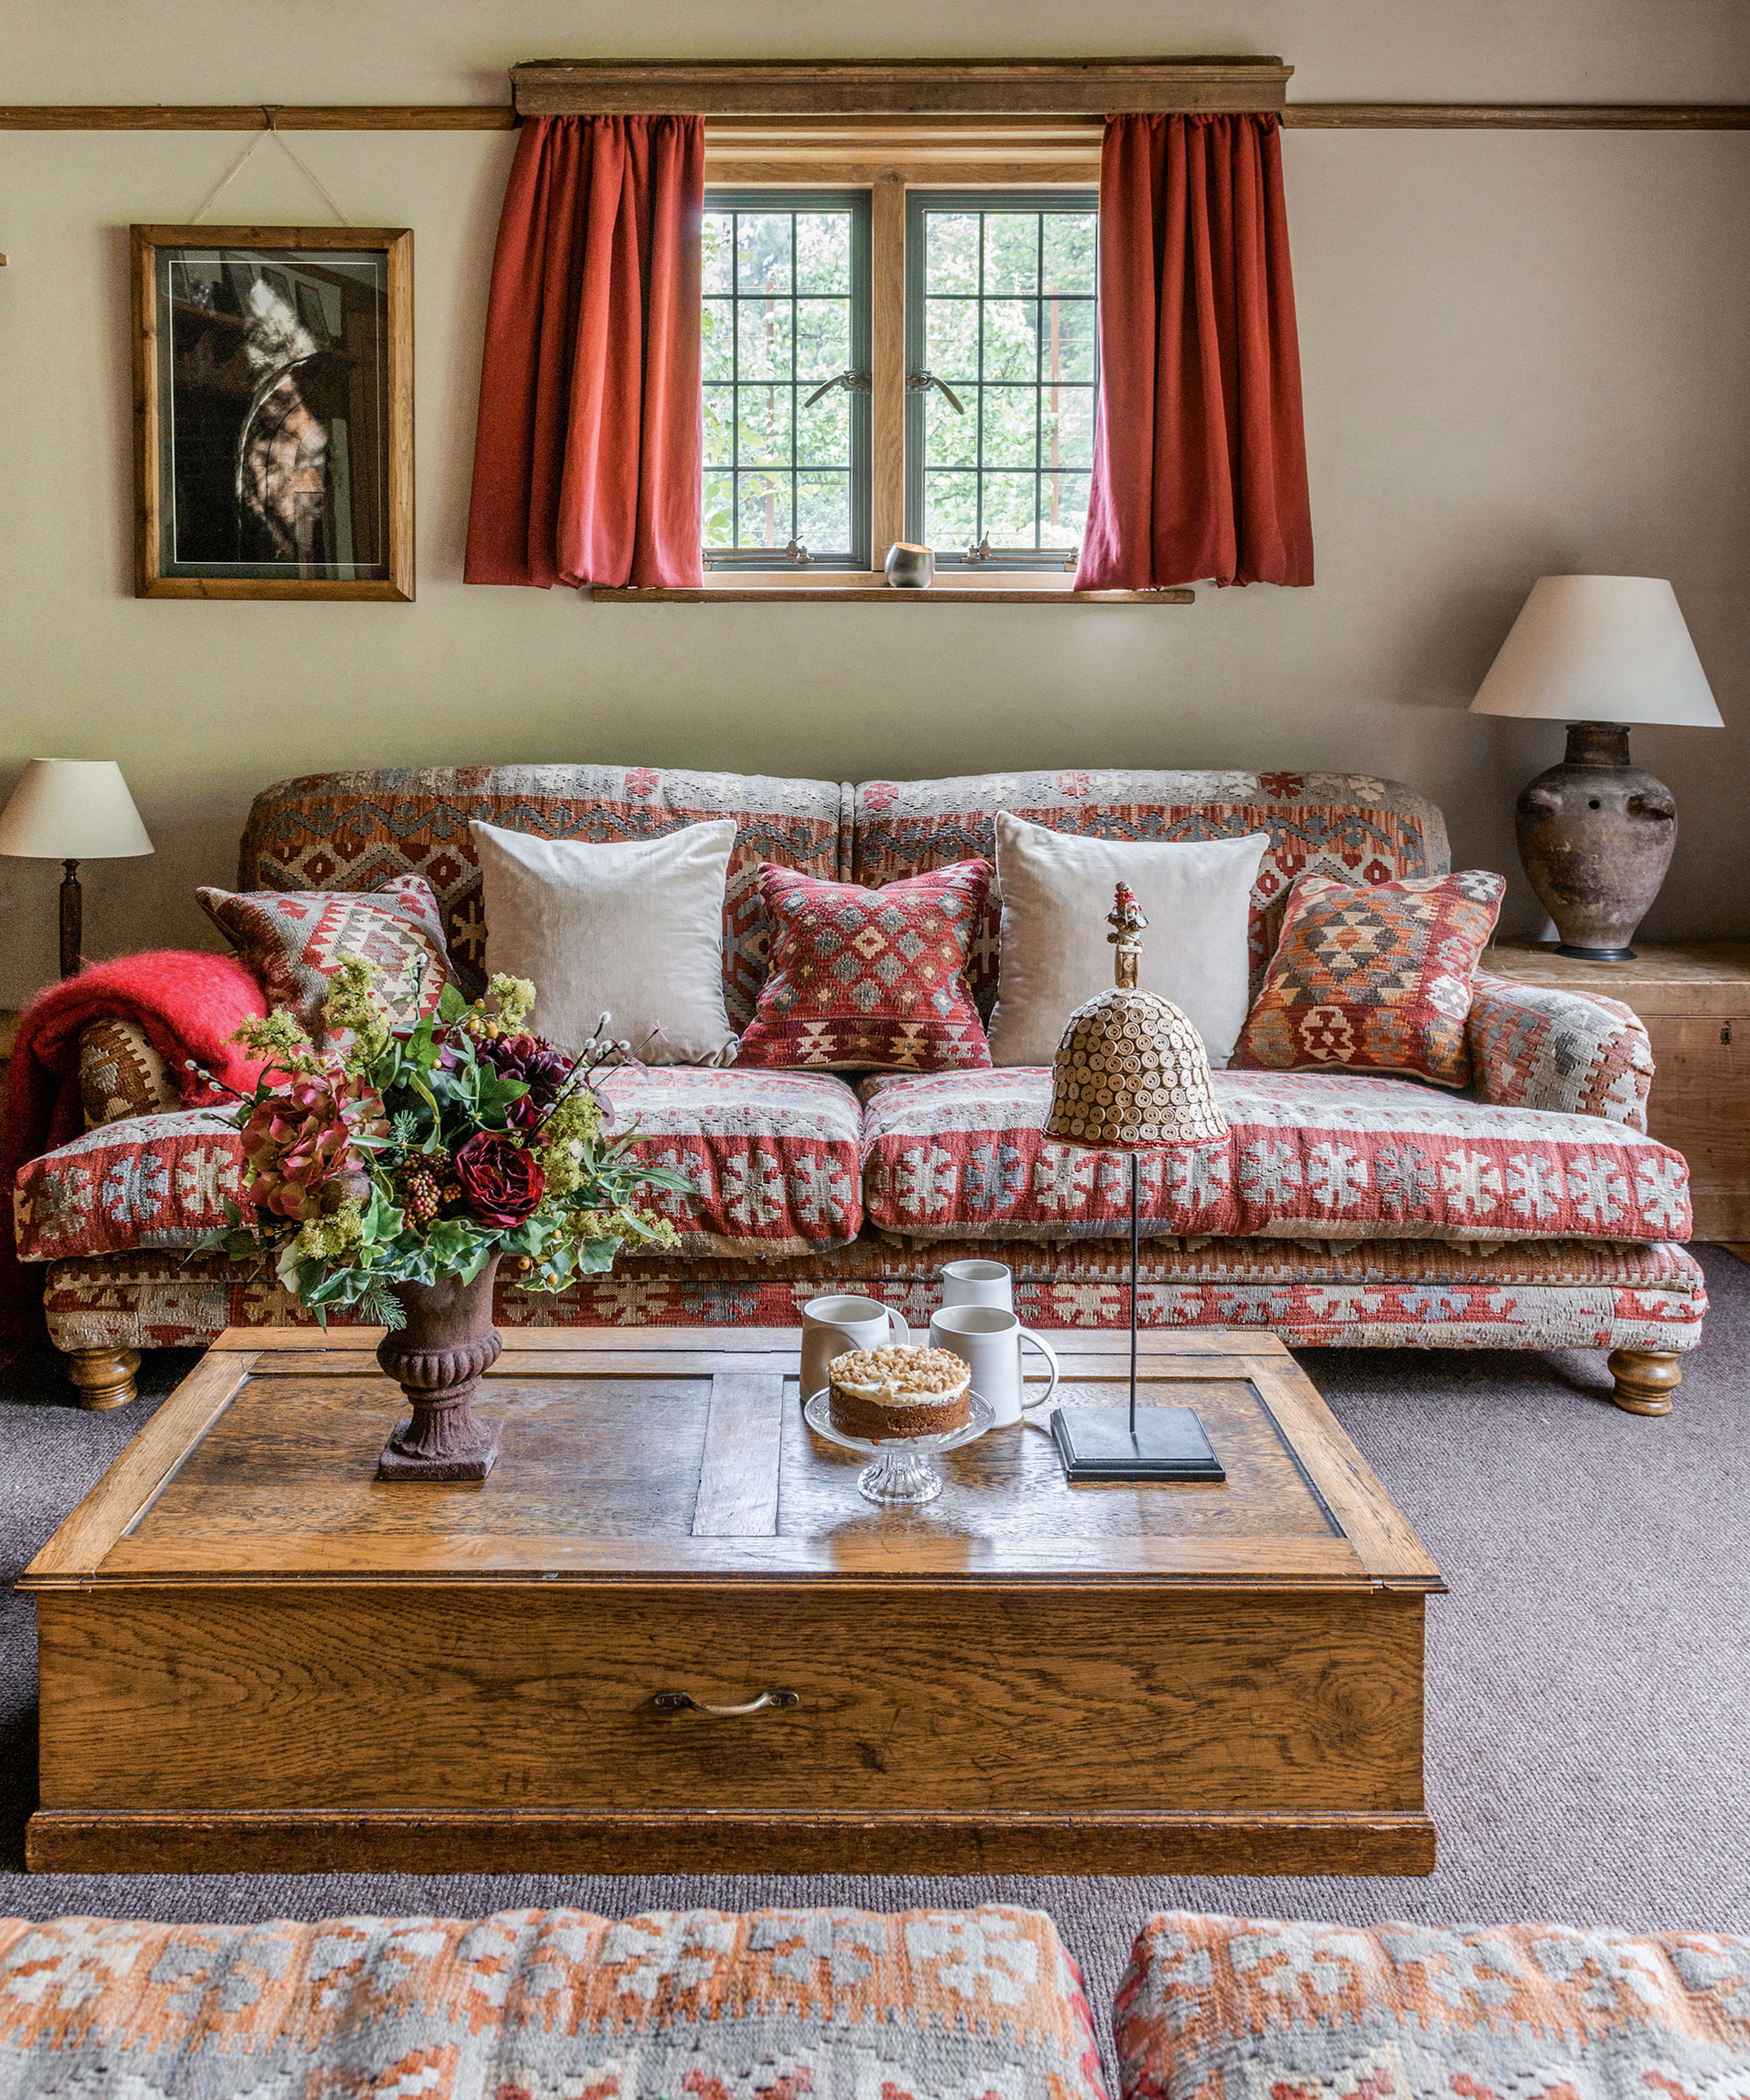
354 830
1344 824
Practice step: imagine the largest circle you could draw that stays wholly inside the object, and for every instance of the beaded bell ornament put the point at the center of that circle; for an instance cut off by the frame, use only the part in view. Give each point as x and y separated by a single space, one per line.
1132 1075
1131 1072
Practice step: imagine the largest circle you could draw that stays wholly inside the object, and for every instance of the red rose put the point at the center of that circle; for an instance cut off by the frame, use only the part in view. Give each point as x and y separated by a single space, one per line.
503 1184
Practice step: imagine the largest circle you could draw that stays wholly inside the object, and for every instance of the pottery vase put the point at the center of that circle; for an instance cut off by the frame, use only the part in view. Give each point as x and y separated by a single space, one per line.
1596 835
438 1359
910 568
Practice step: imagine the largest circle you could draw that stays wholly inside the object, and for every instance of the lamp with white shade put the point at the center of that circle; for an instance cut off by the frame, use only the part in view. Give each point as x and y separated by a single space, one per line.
72 809
1596 833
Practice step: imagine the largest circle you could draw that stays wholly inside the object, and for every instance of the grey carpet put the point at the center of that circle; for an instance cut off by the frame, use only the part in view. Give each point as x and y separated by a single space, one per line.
1588 1676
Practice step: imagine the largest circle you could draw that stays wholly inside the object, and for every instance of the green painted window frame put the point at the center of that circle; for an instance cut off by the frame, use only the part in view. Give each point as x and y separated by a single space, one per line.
730 198
918 202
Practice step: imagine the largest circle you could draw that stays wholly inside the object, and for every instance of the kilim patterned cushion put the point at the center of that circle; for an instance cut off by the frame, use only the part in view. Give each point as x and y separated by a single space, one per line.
1378 980
1414 1294
1239 2009
295 943
774 1158
555 2004
1346 824
1536 1047
354 830
120 1075
866 979
1309 1155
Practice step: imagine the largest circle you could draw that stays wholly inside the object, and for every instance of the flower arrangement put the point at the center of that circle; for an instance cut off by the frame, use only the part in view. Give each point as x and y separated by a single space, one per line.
408 1154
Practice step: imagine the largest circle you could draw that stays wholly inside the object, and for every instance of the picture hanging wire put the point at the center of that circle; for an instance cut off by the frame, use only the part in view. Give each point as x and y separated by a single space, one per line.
271 130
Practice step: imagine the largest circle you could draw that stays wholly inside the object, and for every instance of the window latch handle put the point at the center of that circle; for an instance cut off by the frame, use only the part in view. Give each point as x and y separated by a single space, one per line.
798 553
920 382
853 382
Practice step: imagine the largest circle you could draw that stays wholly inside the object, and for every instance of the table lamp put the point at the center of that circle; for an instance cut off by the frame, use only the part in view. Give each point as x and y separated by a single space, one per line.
1132 1075
72 809
1596 833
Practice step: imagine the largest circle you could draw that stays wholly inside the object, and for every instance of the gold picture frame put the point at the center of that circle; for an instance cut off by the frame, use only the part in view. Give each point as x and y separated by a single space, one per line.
273 412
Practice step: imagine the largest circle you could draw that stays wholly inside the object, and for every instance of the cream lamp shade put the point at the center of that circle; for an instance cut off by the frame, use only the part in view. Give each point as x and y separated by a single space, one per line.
72 809
1599 649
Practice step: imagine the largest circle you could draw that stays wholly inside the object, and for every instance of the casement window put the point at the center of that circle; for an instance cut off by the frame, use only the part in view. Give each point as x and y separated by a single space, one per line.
1001 373
785 364
990 441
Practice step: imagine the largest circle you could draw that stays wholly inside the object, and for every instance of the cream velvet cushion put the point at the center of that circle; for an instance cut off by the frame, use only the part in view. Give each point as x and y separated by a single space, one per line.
633 930
1057 888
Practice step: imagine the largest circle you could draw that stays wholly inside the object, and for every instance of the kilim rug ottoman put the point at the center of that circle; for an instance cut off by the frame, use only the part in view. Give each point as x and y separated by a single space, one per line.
1237 2009
555 2004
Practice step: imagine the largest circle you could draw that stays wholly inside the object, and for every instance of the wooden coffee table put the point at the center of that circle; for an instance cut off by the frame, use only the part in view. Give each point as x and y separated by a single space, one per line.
255 1655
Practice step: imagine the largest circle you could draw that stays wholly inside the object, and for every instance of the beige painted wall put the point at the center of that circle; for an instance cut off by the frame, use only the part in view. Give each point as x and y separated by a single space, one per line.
1521 352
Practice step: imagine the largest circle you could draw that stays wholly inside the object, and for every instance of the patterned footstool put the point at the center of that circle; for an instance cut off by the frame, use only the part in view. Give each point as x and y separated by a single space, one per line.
1237 2009
557 2004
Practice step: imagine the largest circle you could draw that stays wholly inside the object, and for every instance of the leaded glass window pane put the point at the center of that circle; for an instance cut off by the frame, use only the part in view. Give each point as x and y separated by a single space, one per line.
1000 307
786 312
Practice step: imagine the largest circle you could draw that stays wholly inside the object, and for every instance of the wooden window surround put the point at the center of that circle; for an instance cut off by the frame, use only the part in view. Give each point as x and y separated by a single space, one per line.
1019 124
891 156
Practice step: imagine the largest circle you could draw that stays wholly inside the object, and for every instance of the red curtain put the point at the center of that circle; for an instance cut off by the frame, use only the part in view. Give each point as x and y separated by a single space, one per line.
586 454
1199 459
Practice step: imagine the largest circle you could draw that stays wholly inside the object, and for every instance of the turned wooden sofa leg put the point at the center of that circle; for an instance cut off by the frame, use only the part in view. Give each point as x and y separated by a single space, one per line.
1646 1379
105 1377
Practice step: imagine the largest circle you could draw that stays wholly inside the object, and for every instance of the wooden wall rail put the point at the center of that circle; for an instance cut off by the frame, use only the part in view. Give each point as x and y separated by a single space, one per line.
253 116
1516 116
495 117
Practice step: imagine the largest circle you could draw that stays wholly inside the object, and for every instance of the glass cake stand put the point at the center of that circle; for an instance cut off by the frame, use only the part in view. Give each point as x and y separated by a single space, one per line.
902 1470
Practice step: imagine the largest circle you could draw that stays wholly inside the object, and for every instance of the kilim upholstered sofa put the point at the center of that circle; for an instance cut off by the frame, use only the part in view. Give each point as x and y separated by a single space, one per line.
1348 1207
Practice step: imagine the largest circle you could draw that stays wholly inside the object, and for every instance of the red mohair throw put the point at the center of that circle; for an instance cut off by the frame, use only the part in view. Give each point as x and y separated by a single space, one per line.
188 1004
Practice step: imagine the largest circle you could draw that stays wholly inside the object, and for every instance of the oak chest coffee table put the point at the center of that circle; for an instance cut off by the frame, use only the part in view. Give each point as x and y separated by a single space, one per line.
668 1634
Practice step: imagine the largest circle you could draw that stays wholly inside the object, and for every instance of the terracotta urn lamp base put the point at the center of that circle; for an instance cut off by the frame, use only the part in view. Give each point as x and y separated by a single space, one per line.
1596 835
438 1359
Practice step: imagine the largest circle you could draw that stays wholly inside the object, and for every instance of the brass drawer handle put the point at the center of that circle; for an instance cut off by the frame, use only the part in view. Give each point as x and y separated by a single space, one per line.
679 1702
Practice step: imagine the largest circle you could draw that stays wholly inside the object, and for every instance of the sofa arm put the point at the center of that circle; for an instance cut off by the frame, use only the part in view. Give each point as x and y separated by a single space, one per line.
1572 1053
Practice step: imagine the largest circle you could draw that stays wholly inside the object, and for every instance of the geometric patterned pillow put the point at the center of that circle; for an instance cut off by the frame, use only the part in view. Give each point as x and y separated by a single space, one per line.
294 941
120 1075
1376 980
862 980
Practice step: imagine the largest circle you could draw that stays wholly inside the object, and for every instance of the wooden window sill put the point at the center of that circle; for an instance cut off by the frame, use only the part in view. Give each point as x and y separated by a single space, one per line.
854 587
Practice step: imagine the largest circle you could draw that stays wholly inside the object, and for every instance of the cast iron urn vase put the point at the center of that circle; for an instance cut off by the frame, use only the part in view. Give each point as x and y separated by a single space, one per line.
438 1359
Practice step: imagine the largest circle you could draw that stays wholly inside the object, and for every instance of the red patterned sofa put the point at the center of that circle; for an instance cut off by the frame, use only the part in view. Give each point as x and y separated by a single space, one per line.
1533 1212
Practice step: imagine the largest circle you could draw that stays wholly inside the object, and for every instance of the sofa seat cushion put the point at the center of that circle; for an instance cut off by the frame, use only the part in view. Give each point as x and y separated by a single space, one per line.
1414 1294
1212 2005
158 1180
1310 1155
772 1157
551 2005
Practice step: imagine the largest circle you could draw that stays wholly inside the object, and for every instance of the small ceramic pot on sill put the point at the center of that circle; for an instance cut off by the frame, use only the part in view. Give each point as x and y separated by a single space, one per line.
910 568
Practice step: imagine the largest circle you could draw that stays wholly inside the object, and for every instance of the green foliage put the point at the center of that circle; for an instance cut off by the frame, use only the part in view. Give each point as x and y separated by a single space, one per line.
420 1093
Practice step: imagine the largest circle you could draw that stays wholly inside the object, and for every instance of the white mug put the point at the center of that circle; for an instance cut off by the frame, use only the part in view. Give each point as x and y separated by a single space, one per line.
978 1284
830 1325
988 1340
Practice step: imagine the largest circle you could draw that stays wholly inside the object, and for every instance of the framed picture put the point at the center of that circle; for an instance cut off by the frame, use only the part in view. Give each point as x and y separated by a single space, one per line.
273 412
